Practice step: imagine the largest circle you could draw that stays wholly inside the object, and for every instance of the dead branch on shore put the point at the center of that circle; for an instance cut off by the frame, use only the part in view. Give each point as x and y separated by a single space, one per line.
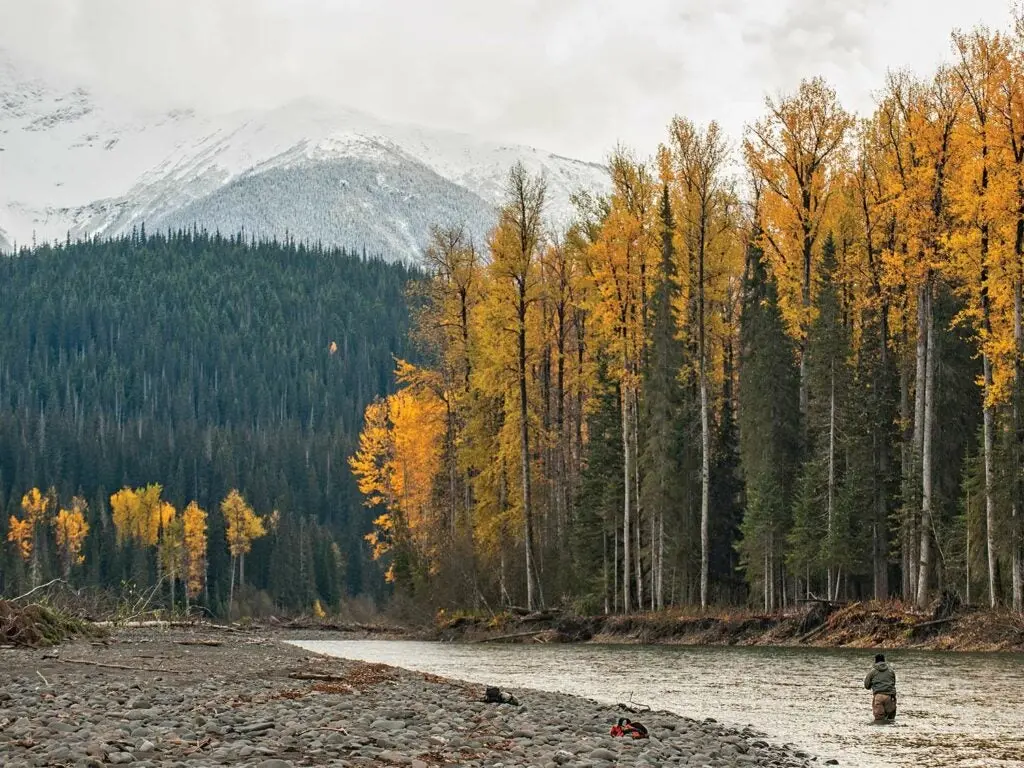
32 591
117 666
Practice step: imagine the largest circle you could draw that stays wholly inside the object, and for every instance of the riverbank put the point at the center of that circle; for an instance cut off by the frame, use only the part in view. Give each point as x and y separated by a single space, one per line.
856 625
207 697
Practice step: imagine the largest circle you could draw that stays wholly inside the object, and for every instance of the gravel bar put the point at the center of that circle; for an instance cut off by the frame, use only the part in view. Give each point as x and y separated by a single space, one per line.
215 698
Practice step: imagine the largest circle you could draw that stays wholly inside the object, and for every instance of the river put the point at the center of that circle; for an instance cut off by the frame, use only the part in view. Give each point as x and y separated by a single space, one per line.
955 709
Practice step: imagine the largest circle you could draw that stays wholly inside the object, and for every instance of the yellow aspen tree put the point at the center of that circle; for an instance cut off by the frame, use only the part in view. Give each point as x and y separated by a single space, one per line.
194 539
921 118
71 530
19 533
443 326
706 221
398 460
491 444
795 150
869 196
977 260
621 262
1010 140
138 514
515 249
243 525
562 269
24 533
171 545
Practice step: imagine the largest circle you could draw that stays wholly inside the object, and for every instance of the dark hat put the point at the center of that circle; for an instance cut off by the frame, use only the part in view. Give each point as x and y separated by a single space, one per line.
879 657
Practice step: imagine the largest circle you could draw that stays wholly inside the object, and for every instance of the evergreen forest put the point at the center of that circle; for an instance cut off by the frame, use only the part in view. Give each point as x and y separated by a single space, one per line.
172 403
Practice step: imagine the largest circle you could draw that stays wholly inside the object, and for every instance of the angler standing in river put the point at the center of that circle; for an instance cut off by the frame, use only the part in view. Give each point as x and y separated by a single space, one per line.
881 681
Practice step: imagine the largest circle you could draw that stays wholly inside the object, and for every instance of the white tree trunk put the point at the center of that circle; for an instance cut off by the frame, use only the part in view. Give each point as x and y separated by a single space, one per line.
831 472
1015 529
925 568
987 440
627 500
705 485
637 554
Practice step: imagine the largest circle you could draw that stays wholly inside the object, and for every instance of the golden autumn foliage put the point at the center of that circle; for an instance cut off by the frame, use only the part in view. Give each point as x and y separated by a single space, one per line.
140 514
398 457
19 533
71 529
243 524
194 536
794 152
35 505
22 533
918 211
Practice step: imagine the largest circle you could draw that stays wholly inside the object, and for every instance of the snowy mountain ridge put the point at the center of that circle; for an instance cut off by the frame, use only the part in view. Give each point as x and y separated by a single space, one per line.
72 163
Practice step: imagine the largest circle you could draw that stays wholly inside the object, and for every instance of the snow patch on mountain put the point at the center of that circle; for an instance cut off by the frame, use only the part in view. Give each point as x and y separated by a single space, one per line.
72 163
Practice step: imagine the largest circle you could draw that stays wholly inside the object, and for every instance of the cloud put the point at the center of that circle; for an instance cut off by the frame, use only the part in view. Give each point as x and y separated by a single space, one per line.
574 76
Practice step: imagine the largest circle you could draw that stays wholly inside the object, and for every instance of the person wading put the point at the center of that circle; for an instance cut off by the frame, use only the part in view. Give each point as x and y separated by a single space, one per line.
881 681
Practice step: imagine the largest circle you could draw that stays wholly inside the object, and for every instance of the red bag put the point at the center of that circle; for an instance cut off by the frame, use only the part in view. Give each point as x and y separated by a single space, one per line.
626 728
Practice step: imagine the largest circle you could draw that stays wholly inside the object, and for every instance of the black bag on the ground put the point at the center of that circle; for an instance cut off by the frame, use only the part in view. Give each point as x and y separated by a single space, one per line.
494 695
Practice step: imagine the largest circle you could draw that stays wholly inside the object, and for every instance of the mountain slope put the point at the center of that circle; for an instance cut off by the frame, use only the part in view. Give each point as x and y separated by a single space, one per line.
72 163
203 364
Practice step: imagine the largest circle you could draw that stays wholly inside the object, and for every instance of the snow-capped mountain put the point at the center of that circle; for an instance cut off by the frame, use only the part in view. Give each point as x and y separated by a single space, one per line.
73 163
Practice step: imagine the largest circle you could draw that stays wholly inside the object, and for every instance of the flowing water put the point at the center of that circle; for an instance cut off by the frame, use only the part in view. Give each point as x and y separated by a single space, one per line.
955 709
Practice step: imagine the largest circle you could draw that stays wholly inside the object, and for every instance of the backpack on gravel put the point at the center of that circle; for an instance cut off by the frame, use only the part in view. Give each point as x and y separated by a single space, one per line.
626 728
494 695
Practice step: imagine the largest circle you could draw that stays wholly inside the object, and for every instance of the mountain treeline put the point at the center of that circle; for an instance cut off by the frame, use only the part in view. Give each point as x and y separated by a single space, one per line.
802 381
171 405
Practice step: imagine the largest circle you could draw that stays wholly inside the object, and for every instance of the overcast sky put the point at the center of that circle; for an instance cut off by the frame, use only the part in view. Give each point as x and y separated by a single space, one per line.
571 76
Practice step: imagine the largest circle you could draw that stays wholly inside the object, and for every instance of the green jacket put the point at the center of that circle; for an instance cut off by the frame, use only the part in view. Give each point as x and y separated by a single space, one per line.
881 679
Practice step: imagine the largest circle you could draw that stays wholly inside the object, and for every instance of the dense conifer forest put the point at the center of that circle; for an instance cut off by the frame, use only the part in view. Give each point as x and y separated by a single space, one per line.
202 364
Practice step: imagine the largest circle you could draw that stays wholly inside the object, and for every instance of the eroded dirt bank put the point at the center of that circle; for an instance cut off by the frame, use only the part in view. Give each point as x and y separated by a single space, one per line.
857 625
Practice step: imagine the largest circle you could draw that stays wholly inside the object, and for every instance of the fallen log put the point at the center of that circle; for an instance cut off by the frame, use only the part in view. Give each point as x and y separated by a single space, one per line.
932 623
318 676
116 666
513 636
808 635
199 642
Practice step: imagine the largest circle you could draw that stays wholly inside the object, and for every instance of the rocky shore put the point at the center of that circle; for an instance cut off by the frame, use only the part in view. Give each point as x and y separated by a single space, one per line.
215 698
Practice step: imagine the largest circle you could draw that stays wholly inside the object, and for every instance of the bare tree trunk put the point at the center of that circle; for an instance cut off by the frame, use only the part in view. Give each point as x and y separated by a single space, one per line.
524 449
987 439
231 590
880 543
654 560
604 567
920 398
627 447
767 578
705 485
638 554
615 571
925 569
967 557
660 559
172 580
831 472
1018 429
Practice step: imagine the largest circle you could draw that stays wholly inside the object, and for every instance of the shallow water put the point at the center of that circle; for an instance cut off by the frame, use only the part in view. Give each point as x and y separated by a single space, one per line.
955 709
